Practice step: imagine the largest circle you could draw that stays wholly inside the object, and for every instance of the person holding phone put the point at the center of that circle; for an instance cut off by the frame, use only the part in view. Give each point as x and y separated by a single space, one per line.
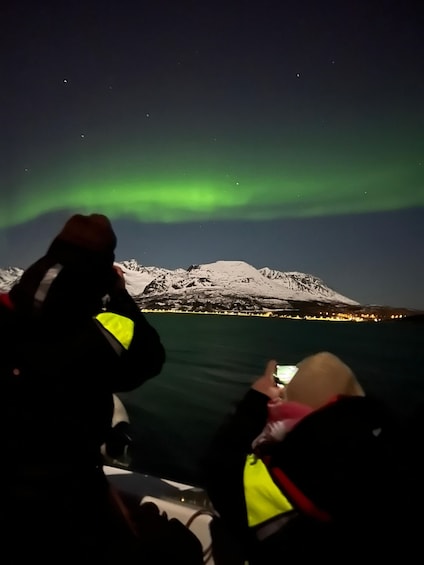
298 492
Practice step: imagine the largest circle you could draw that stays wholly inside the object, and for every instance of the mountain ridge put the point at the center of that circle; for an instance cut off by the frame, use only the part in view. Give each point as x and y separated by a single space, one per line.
237 287
224 284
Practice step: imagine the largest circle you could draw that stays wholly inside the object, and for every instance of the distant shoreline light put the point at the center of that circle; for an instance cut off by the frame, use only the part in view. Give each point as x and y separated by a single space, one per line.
338 318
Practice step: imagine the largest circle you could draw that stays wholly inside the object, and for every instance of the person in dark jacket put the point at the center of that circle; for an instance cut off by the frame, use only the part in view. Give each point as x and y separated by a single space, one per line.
308 476
71 337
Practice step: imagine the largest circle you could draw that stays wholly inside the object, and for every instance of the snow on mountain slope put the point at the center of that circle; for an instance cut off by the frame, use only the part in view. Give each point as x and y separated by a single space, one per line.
233 277
8 277
303 283
215 281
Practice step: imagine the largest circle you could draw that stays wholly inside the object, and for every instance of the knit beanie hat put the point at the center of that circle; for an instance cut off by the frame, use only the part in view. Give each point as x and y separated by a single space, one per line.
87 236
321 377
77 269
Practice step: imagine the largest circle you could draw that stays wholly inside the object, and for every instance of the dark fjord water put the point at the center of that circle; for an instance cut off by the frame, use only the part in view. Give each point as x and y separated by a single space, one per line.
212 360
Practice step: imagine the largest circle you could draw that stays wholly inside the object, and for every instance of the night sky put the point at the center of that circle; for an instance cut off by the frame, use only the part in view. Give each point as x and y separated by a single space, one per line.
287 134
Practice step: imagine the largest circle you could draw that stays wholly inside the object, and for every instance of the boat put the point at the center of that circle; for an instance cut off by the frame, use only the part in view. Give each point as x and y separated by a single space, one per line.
185 502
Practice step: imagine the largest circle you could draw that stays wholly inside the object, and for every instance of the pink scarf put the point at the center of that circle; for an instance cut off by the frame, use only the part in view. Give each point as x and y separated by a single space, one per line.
283 415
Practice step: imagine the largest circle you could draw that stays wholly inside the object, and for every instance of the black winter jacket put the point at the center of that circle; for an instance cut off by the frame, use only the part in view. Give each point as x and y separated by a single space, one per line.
354 478
59 375
59 370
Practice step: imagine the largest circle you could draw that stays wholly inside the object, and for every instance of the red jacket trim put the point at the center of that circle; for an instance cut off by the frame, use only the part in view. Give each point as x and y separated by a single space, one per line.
300 500
5 301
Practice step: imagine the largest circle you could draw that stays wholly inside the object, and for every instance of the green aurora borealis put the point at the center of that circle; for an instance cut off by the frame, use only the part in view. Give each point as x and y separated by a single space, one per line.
233 185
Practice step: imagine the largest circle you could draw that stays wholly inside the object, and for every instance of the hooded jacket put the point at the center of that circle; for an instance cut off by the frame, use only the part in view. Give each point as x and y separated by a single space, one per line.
71 336
326 489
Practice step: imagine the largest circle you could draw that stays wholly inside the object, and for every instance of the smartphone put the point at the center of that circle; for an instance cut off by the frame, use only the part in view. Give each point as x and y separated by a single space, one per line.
284 374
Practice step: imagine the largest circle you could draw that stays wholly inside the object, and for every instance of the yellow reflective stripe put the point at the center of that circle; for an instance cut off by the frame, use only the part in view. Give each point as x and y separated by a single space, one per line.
121 327
264 500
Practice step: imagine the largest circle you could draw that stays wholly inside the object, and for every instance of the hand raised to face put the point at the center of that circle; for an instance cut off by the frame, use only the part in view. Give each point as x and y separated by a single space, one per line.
266 382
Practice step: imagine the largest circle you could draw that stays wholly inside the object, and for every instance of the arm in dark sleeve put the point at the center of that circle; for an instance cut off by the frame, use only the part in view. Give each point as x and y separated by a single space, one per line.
223 464
145 356
242 426
101 359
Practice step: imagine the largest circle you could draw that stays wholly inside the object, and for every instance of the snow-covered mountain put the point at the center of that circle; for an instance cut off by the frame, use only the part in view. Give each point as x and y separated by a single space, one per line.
8 277
222 285
225 285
